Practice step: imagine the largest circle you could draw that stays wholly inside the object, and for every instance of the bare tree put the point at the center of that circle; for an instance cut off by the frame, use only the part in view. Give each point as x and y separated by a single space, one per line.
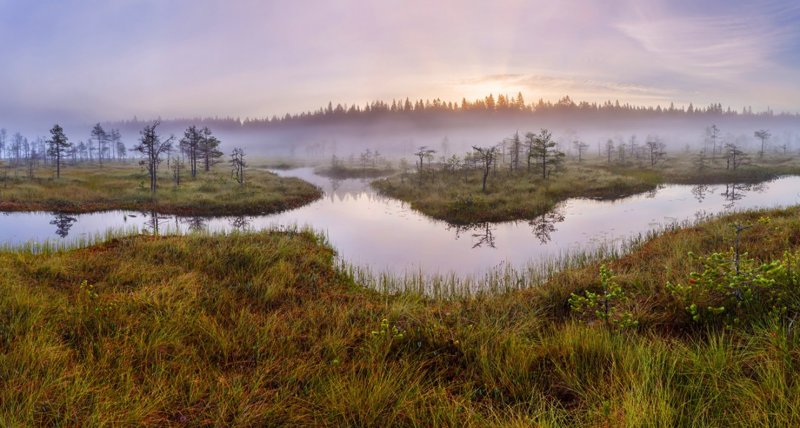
515 148
152 149
712 136
609 150
581 147
656 150
238 165
487 156
762 135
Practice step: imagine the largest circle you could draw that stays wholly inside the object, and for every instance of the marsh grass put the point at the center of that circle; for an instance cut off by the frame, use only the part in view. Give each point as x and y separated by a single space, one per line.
264 329
456 196
116 186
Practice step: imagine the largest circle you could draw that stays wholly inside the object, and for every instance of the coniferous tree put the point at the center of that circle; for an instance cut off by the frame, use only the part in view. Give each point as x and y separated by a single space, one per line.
190 144
208 149
544 152
101 137
58 146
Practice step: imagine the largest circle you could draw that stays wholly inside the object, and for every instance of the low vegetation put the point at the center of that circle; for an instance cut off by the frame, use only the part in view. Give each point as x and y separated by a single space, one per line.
370 164
470 190
119 186
263 329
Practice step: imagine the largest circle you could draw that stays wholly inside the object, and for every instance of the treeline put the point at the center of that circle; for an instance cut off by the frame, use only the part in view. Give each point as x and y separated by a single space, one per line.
489 106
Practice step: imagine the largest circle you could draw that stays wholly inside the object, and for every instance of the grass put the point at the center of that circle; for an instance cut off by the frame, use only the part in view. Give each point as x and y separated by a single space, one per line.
456 196
264 329
343 171
124 187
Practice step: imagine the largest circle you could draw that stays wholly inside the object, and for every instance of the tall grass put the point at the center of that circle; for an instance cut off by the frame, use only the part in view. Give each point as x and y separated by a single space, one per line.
262 329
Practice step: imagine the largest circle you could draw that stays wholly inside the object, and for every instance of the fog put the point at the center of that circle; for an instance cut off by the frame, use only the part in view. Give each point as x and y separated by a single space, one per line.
451 129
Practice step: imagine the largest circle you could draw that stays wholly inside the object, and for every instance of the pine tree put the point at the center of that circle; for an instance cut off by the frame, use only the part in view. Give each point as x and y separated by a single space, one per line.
58 146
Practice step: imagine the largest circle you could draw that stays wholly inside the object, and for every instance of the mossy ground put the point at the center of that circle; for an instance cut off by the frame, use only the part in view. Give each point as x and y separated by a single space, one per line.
87 188
457 197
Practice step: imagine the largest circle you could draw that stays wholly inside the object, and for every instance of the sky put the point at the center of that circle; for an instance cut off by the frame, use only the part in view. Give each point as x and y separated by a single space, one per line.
97 60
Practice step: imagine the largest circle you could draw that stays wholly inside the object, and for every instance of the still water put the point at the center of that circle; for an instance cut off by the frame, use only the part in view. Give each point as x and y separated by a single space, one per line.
386 235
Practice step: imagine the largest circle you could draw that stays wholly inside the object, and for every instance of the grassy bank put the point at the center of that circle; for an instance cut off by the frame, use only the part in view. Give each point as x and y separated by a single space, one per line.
342 171
124 187
456 196
262 329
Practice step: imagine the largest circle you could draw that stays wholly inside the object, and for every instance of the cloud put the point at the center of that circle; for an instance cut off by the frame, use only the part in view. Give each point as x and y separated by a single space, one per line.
719 46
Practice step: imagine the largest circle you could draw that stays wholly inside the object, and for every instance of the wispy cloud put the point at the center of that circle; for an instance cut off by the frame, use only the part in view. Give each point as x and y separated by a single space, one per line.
718 46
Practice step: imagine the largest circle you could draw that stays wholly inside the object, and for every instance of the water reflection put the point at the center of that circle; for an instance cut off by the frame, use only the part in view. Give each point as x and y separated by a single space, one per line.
482 233
195 224
367 229
736 192
544 225
157 223
241 223
701 191
63 223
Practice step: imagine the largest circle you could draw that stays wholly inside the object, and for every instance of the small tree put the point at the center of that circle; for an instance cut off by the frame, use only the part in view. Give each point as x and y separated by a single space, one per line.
152 148
609 150
117 147
177 167
700 161
581 147
657 151
208 149
238 165
515 148
190 144
735 157
58 146
423 153
762 135
712 136
545 152
101 137
487 156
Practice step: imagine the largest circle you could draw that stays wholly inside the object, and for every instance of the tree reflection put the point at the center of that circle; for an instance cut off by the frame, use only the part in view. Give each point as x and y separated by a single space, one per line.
700 192
154 221
545 224
734 192
335 185
63 224
483 233
195 224
240 223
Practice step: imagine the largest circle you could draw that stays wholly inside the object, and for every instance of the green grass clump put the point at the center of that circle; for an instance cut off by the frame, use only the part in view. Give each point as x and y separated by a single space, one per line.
87 188
263 329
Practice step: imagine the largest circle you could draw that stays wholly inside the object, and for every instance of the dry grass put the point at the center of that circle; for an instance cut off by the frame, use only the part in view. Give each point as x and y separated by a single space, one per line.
262 329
